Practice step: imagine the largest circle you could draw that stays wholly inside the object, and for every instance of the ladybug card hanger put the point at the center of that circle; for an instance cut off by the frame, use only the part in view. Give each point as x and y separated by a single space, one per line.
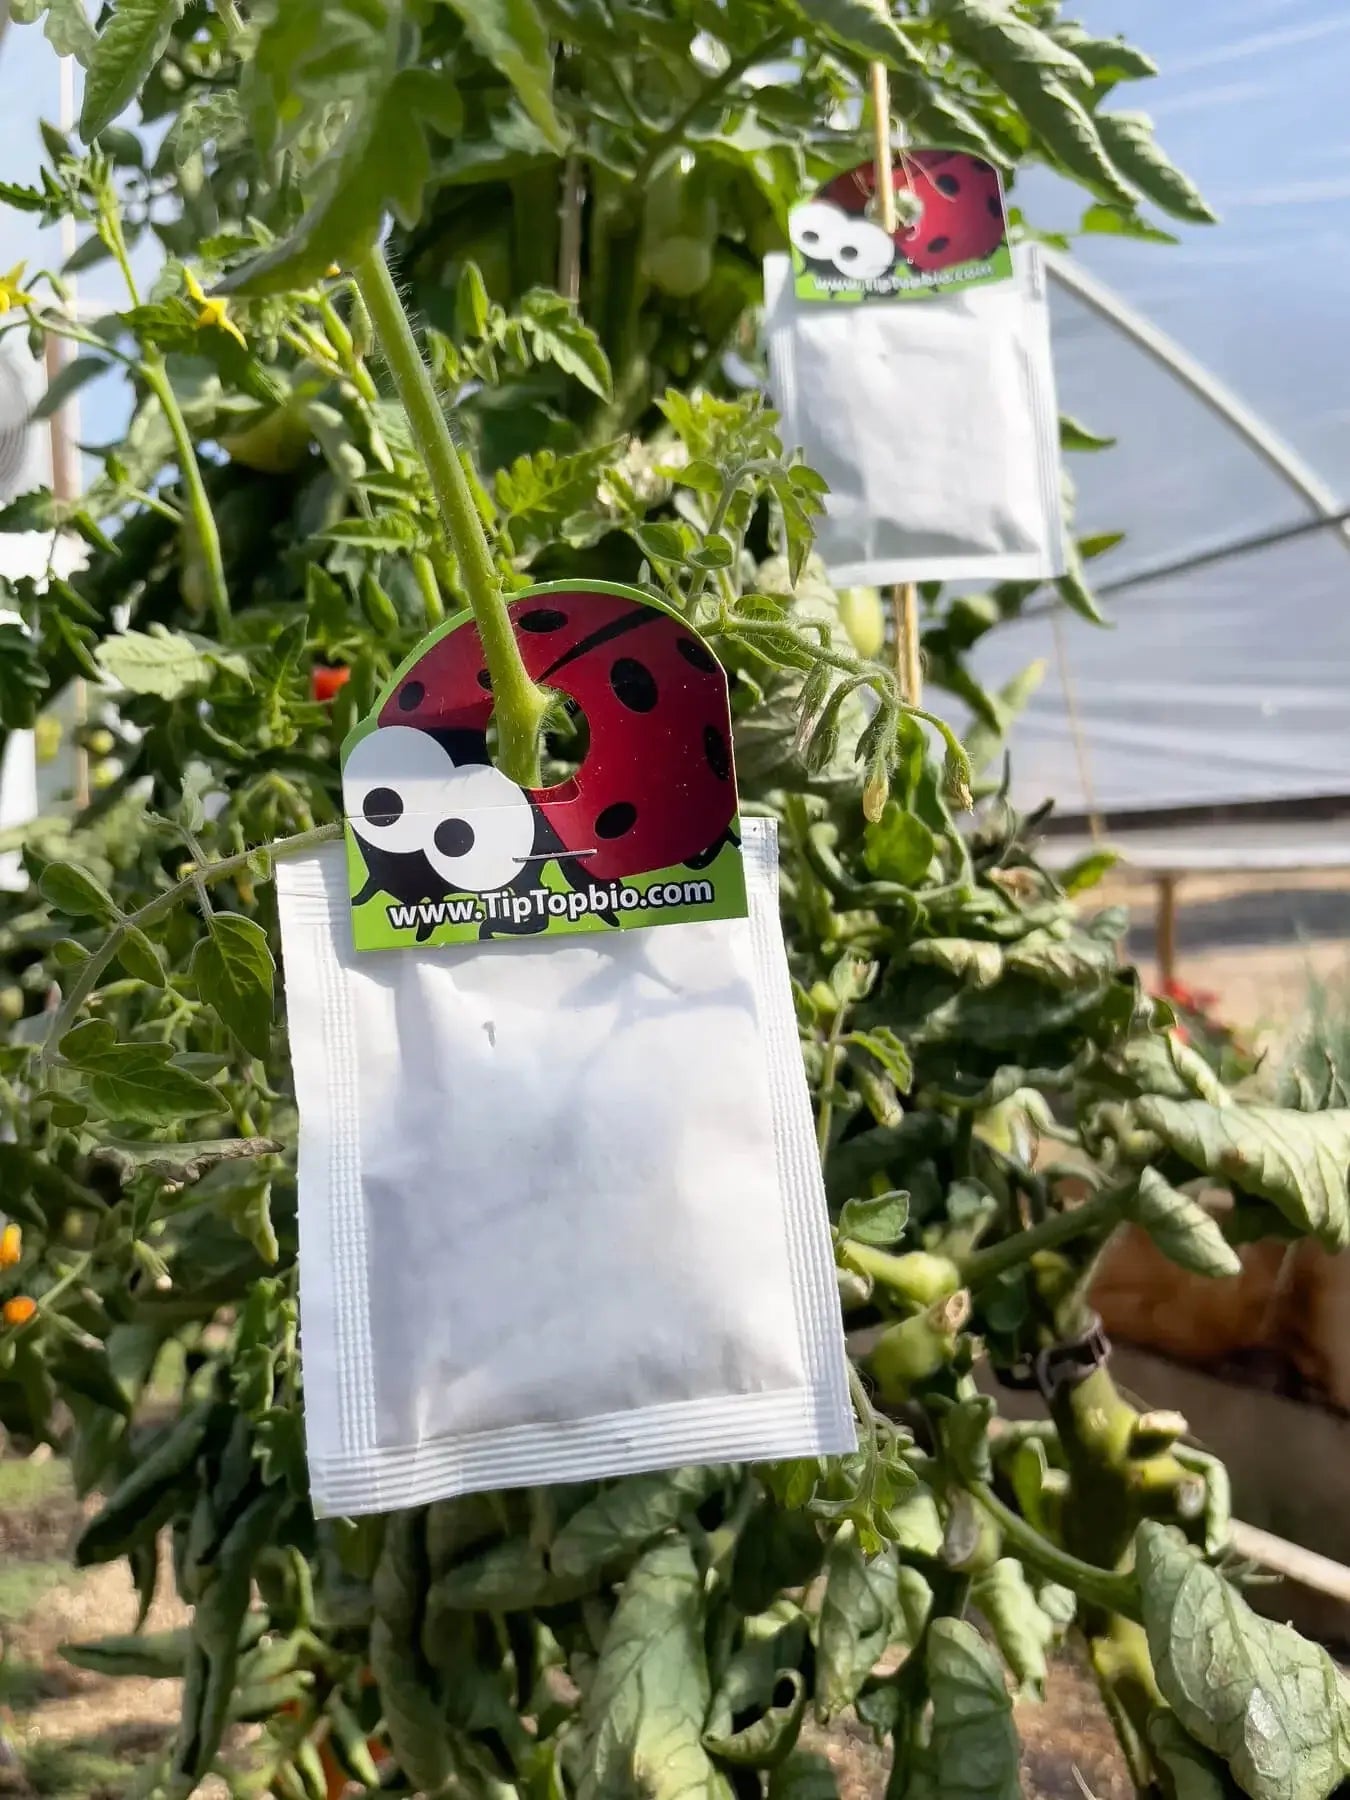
442 848
951 232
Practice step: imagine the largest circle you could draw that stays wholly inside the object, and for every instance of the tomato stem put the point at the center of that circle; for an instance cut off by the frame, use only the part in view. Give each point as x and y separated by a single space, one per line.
519 705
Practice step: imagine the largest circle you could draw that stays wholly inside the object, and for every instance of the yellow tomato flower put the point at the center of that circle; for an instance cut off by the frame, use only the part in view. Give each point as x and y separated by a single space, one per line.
11 1246
212 312
11 292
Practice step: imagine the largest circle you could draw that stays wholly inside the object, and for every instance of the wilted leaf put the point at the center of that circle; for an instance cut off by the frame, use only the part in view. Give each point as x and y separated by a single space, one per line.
621 1519
1075 961
778 1549
643 1714
969 959
1269 1702
768 1739
1022 1631
1181 1228
509 1577
183 1163
234 972
1298 1161
974 1752
857 1618
121 57
1196 1775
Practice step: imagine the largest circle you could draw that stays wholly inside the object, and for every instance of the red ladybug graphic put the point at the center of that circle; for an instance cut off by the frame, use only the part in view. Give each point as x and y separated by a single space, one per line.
656 788
962 206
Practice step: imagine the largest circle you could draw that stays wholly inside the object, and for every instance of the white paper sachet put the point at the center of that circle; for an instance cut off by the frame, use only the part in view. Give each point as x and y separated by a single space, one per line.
934 422
561 1212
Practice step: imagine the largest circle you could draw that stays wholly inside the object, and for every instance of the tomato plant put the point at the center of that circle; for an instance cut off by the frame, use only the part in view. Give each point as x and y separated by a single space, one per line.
995 1093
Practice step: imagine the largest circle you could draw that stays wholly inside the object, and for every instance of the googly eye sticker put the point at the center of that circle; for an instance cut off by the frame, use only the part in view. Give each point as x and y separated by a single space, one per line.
951 231
392 785
484 834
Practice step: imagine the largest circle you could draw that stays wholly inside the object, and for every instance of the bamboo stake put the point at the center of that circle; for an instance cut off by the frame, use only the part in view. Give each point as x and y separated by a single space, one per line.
904 598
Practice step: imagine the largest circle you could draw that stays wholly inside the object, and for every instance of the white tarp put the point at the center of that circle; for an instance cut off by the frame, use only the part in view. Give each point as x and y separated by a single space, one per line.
1223 684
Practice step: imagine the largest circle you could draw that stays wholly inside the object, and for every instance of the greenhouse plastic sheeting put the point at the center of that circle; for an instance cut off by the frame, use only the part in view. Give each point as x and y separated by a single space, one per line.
1224 683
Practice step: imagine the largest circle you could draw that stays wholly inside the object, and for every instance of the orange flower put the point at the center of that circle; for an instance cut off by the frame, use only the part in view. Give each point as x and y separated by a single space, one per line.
11 1246
19 1310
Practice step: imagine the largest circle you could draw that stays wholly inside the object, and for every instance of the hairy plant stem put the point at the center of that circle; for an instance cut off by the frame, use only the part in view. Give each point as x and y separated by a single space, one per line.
199 502
519 706
192 883
1097 1214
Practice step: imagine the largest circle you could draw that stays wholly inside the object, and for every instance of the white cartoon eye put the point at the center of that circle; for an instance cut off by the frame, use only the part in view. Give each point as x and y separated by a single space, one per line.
816 228
483 830
392 786
863 249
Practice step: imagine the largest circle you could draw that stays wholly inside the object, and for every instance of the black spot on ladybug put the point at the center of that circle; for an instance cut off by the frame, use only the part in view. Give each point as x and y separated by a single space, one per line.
937 245
485 681
634 686
541 619
947 184
995 207
715 749
382 807
411 696
453 837
697 655
616 819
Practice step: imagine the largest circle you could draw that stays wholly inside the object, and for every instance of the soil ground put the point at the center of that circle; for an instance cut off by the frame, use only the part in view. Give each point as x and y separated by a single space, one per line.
65 1734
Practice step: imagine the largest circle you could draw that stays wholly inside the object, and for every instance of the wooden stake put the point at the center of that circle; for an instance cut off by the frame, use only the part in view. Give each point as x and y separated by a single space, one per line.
881 147
908 661
1165 930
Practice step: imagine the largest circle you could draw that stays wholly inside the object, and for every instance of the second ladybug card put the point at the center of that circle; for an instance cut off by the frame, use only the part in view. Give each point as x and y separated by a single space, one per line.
639 826
951 232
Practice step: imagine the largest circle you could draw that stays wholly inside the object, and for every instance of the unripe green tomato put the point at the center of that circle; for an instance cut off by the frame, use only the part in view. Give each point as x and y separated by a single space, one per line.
679 230
101 743
924 1278
988 1546
103 775
864 619
275 444
47 734
11 1005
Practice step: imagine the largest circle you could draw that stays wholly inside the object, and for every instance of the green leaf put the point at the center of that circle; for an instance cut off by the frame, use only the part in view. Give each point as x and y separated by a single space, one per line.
136 1081
1022 1631
471 302
974 1752
1298 1161
234 973
121 57
155 662
884 1047
67 26
648 1698
73 890
1088 871
778 1549
510 1577
899 846
1076 436
858 1616
881 1221
1129 142
1117 221
250 1212
139 957
867 27
618 1522
768 1739
1181 1228
1067 131
1270 1703
1110 59
1074 591
998 41
558 334
1067 963
1195 1774
74 375
512 36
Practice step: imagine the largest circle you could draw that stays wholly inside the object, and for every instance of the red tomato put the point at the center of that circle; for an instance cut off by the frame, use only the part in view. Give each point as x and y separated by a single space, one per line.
325 682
